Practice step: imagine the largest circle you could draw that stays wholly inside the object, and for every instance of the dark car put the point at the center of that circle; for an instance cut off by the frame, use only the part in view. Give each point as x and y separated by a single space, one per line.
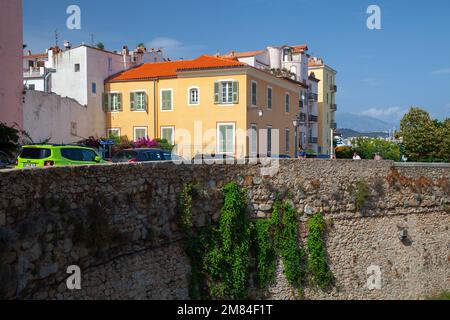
213 157
145 155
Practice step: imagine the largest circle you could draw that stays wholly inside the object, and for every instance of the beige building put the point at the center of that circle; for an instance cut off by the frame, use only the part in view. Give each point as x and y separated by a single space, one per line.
327 106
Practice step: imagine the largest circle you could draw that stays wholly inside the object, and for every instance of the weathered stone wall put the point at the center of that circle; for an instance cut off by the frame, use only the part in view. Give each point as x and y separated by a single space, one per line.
119 224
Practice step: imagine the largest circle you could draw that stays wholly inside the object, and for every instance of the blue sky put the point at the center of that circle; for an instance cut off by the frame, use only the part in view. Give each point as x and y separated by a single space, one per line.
381 72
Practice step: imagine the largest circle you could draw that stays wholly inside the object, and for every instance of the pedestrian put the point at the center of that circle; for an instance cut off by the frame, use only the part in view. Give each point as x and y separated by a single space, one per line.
301 153
377 157
356 156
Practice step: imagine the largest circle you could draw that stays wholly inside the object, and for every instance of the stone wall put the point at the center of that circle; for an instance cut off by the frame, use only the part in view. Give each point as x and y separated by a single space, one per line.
119 223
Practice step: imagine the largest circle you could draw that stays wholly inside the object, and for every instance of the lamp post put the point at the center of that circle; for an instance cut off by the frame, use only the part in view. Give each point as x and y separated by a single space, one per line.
295 123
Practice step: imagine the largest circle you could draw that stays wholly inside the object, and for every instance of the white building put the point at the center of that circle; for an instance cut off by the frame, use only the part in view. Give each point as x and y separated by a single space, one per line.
291 62
79 73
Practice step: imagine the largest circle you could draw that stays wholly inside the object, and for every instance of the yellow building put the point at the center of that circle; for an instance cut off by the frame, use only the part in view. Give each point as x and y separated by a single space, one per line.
208 105
326 102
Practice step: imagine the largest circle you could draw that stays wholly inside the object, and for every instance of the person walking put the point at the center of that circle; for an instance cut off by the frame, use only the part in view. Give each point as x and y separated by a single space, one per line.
301 153
356 156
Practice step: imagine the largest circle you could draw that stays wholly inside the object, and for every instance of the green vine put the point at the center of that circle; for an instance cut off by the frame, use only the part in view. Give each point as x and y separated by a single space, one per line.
317 263
284 219
264 249
228 258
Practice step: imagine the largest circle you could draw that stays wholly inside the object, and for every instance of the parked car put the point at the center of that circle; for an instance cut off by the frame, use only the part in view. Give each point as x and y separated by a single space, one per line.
144 155
56 155
221 156
5 162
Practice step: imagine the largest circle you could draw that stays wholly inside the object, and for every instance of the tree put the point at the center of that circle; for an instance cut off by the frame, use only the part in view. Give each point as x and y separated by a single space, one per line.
368 147
422 136
9 138
101 46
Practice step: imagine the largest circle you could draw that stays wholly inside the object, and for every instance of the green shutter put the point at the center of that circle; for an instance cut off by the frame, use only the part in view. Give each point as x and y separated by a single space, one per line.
119 98
132 101
216 93
235 92
105 102
145 101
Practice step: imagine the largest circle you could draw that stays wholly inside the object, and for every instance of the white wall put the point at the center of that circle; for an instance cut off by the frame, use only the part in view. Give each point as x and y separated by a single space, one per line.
48 115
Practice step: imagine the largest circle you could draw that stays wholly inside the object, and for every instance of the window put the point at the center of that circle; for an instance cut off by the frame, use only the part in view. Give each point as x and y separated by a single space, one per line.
154 156
113 132
287 102
167 133
31 87
253 136
35 153
112 102
194 96
110 69
76 154
226 92
138 101
287 55
94 87
269 140
287 139
77 67
254 93
269 97
139 133
166 100
226 138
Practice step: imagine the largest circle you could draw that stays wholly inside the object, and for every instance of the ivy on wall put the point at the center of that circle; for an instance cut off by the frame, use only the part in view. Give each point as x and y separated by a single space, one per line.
222 256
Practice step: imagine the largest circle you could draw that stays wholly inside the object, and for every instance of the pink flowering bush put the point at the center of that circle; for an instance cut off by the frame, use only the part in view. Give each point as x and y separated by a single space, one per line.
146 143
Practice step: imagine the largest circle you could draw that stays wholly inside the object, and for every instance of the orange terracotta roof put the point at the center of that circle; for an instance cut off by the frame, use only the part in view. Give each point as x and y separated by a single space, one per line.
244 54
300 48
170 69
38 55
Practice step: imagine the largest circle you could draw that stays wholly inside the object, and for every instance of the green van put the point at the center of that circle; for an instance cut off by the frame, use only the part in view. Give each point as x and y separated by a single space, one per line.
53 155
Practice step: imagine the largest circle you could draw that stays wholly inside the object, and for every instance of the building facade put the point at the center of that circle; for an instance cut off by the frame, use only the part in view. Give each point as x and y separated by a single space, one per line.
291 62
209 105
11 51
327 106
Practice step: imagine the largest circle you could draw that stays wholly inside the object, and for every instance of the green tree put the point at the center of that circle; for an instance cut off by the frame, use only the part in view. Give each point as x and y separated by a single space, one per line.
421 137
101 46
368 147
9 137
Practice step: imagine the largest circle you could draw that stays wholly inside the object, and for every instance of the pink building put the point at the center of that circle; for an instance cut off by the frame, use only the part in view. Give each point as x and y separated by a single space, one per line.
11 53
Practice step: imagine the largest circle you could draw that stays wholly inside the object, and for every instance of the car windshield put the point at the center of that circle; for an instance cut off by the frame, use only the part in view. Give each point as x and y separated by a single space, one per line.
35 153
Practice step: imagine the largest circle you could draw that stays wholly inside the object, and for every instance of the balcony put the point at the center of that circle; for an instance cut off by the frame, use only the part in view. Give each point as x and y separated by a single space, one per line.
333 125
313 118
33 72
333 88
313 97
303 117
333 107
313 140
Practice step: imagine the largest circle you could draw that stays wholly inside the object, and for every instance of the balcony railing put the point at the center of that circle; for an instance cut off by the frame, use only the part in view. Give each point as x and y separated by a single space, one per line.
313 97
333 125
313 140
333 88
33 72
313 118
333 107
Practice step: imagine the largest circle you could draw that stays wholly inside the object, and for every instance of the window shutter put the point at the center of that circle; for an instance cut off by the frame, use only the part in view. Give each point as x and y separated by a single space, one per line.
145 101
235 92
169 100
132 101
119 98
105 102
216 93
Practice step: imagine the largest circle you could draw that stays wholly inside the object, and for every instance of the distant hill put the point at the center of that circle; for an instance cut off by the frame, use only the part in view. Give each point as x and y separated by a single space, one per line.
347 133
362 123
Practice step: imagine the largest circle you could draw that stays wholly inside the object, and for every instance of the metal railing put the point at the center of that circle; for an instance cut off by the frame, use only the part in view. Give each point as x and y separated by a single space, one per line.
333 88
313 97
313 140
333 107
313 118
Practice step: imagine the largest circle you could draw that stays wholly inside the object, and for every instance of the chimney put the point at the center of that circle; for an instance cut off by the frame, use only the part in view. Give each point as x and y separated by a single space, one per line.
125 51
232 53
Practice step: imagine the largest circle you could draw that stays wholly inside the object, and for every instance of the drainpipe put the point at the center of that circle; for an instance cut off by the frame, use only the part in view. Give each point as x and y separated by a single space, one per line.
154 109
48 73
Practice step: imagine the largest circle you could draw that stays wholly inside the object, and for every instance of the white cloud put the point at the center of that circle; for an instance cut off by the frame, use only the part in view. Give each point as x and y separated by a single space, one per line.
441 72
392 113
175 49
